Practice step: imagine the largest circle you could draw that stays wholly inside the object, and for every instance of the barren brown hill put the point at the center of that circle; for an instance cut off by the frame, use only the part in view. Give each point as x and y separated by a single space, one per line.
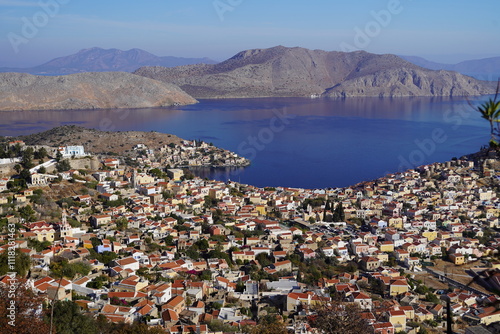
96 141
282 71
19 91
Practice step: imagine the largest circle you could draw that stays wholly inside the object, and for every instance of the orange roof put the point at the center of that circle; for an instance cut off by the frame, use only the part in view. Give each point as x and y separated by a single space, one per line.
398 282
395 313
175 301
170 316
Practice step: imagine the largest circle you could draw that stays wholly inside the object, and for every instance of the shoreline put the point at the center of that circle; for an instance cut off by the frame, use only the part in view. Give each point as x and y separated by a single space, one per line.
481 154
175 106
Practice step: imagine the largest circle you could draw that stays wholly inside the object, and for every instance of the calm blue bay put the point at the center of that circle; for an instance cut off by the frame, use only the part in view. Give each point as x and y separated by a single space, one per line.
298 142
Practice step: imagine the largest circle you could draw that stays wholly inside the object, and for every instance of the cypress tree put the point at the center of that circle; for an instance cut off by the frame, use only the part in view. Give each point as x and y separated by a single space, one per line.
340 211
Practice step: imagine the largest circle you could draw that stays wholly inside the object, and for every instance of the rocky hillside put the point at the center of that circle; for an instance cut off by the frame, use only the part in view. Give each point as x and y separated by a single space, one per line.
96 141
282 71
20 91
410 82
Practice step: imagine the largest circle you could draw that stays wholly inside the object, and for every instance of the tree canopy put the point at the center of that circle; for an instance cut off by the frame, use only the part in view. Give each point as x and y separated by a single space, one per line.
22 263
339 318
28 310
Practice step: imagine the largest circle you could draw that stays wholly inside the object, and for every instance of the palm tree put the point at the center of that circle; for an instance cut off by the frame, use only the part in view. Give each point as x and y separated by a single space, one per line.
490 111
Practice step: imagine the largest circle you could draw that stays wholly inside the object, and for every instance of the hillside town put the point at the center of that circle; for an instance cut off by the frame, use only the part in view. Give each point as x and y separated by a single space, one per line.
141 239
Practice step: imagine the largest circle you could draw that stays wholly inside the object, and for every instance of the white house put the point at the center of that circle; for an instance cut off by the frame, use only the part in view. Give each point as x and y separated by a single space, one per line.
128 263
72 151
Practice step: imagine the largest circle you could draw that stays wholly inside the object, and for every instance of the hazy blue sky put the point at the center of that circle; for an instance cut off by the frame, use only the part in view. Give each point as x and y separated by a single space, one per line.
444 30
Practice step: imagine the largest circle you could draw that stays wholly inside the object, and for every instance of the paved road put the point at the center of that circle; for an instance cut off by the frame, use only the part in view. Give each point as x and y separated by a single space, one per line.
456 283
452 274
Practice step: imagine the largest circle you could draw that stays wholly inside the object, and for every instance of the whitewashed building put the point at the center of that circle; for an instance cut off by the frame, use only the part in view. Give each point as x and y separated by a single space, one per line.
72 151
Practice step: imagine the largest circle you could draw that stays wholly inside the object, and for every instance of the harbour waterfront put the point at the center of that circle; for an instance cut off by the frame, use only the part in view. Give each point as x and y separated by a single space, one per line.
298 142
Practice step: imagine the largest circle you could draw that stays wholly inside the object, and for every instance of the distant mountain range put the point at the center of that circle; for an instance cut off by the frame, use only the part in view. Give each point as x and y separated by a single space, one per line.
282 71
483 69
105 60
273 72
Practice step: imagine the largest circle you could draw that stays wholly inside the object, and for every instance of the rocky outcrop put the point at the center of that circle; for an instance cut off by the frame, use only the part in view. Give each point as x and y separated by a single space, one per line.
282 71
410 82
101 90
96 141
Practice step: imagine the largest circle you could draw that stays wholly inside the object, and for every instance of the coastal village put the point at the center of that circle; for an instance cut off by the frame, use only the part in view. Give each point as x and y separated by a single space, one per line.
149 242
